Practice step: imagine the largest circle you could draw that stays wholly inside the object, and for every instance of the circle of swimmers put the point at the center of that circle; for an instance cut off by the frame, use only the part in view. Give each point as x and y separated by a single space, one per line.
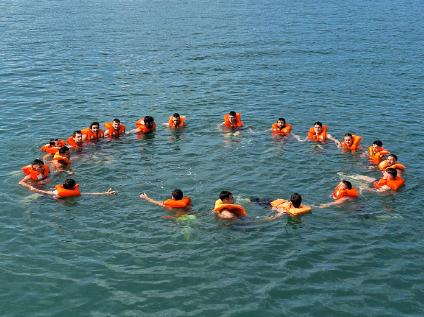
57 158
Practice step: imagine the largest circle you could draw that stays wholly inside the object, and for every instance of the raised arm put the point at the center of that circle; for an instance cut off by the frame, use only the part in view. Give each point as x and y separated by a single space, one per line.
151 200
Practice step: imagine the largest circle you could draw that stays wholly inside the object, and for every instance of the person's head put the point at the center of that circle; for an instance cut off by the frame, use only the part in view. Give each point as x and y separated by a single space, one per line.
176 118
69 183
177 194
54 142
392 159
77 136
116 123
348 139
390 173
317 127
148 121
94 127
232 117
64 151
281 122
377 144
296 200
344 184
37 164
226 197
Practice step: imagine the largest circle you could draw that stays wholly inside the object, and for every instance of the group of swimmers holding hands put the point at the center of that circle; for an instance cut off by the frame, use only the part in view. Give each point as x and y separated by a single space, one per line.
57 158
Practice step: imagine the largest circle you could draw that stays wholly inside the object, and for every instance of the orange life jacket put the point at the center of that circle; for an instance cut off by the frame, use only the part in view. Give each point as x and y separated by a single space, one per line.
171 123
230 125
385 165
70 141
355 144
91 136
61 159
112 133
376 157
237 210
285 130
340 193
317 138
394 184
289 209
52 149
181 203
35 175
143 128
63 193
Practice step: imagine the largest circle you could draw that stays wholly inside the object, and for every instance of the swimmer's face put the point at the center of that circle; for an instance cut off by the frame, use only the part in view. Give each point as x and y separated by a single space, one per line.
78 138
391 160
281 123
149 124
116 125
37 168
95 128
56 142
374 148
342 185
229 200
232 119
348 140
317 129
176 120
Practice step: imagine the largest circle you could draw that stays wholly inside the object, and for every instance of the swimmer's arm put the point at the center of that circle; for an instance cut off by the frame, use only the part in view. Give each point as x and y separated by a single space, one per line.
298 138
47 156
151 200
109 192
24 182
133 131
42 192
335 203
330 137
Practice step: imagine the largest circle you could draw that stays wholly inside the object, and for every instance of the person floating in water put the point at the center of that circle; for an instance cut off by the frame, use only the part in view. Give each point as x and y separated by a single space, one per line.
176 121
114 129
350 143
226 208
69 188
144 125
74 142
392 162
376 152
292 207
390 181
178 202
317 133
53 146
344 191
62 160
281 127
35 173
232 121
93 133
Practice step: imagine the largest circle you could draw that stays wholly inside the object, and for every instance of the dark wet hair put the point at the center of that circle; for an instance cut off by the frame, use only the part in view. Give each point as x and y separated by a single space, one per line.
76 132
232 113
296 200
378 143
348 134
116 120
94 123
148 119
177 194
225 194
318 123
282 119
63 150
176 115
69 183
52 142
392 171
37 162
393 155
347 183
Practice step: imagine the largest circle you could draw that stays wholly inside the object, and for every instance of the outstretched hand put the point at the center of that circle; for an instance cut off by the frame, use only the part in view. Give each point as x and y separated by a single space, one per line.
111 192
144 196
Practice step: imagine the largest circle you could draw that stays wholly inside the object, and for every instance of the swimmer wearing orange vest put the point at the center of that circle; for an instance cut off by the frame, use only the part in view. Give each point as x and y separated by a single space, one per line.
53 146
389 181
226 209
114 129
292 207
62 160
144 125
344 191
232 121
391 162
178 202
69 188
93 133
36 172
176 121
376 152
350 143
281 127
317 133
74 142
